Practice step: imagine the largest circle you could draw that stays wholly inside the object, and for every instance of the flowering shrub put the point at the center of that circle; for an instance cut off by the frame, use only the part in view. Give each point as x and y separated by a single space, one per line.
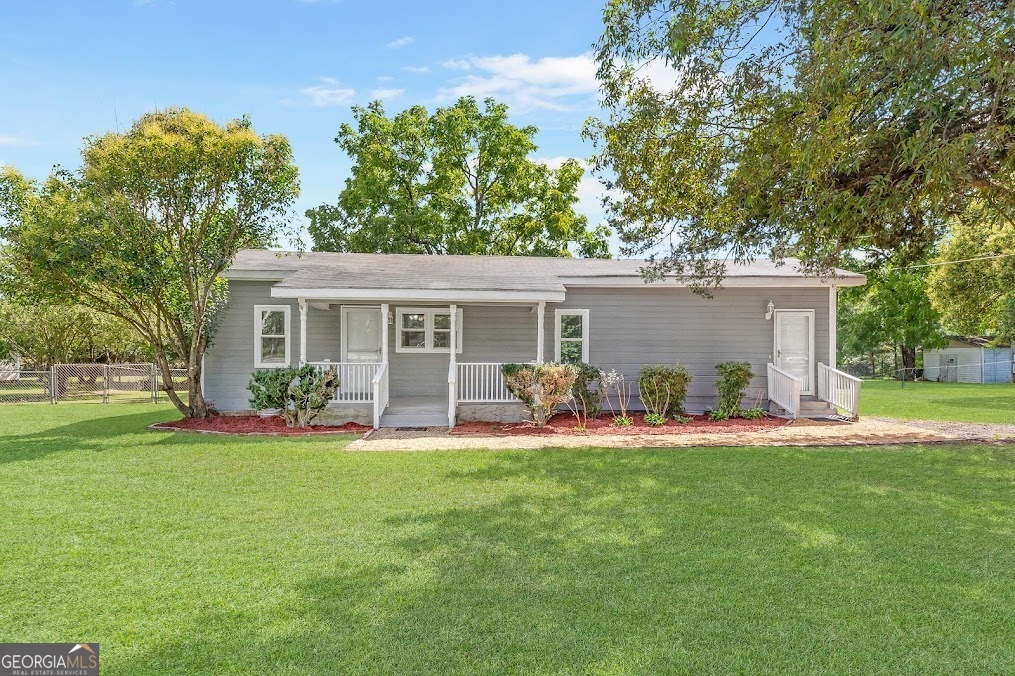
663 388
540 388
299 393
616 383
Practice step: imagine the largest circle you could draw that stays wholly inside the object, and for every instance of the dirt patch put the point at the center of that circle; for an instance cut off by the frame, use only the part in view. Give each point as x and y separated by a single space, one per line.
962 430
564 425
255 424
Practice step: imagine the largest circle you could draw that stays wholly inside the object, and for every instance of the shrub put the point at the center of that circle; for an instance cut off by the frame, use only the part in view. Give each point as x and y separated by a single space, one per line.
622 421
621 389
299 393
734 377
540 388
718 415
753 413
655 419
683 419
663 388
588 389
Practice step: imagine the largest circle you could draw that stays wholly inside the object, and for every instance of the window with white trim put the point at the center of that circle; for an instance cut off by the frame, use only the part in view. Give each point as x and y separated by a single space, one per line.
426 330
271 336
571 336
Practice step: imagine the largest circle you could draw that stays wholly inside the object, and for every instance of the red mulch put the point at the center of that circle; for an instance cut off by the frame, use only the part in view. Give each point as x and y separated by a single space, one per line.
255 424
565 424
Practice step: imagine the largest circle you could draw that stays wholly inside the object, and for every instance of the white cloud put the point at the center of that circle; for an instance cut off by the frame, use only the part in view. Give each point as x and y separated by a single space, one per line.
416 69
10 140
328 93
385 93
551 82
403 41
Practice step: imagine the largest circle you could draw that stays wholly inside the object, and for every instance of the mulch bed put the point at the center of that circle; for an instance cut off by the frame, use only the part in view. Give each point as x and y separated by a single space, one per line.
564 424
255 424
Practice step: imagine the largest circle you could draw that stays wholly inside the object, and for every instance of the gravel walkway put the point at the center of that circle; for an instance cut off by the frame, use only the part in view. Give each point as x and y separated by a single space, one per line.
961 430
798 433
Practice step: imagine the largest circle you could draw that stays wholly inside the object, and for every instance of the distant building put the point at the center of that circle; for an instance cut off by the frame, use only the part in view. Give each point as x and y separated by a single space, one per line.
969 359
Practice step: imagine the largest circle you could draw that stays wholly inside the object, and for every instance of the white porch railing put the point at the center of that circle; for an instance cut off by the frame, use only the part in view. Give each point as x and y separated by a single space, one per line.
355 380
482 383
379 385
784 390
839 389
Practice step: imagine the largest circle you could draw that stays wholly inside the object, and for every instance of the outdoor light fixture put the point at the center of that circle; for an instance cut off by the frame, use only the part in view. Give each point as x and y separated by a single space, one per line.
771 310
391 318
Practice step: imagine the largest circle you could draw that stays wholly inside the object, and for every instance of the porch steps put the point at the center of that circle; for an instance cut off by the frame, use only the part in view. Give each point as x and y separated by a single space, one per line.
810 407
416 412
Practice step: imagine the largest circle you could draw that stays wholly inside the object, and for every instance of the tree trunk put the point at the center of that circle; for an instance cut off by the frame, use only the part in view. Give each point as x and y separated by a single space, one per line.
908 361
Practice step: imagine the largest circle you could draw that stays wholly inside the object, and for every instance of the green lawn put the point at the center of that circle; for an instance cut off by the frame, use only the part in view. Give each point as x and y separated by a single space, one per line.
959 402
186 553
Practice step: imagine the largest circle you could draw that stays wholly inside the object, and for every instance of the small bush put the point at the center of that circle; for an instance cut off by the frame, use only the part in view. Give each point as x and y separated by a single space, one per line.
588 389
540 388
299 393
753 413
717 415
663 388
734 378
655 419
622 421
616 383
683 419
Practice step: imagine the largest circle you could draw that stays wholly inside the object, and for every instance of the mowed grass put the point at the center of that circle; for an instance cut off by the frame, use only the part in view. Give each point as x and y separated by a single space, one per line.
186 553
956 402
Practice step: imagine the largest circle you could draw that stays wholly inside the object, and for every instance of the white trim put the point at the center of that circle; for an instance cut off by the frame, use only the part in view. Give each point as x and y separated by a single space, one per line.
428 330
384 333
584 314
303 331
419 295
750 282
540 331
811 363
343 341
258 309
833 328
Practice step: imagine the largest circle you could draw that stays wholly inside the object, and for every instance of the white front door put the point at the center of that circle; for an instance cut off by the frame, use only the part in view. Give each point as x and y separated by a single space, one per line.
794 345
361 335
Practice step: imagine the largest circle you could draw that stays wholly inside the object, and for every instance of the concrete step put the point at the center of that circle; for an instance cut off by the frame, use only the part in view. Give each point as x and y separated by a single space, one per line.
414 419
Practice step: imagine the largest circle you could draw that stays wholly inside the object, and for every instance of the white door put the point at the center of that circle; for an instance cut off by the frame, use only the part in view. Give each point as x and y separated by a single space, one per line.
361 335
794 345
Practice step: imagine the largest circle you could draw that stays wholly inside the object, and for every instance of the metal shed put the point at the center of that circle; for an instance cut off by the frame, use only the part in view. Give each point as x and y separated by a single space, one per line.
969 359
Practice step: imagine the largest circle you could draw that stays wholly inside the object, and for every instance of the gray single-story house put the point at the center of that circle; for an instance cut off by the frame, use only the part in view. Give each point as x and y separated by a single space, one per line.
387 322
969 359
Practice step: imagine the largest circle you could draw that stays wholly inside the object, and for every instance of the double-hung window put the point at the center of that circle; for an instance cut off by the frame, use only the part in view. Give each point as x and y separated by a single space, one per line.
426 330
571 336
271 336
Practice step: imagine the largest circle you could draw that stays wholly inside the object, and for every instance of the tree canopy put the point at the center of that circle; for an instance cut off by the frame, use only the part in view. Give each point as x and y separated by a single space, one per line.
146 226
458 181
813 129
973 285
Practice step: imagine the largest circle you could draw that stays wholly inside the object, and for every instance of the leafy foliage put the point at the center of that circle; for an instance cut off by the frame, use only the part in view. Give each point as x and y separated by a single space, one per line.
145 228
755 413
540 387
299 393
892 309
588 388
663 389
683 419
734 379
459 181
801 128
977 297
655 419
622 421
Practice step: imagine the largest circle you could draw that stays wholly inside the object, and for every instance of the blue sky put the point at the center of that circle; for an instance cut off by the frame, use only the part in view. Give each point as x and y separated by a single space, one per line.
70 69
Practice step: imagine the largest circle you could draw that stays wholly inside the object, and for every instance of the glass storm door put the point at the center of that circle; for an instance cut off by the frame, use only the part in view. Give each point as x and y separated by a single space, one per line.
361 335
794 345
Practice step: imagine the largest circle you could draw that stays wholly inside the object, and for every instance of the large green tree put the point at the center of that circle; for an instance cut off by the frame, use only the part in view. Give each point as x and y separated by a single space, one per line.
812 128
145 228
458 181
893 310
973 283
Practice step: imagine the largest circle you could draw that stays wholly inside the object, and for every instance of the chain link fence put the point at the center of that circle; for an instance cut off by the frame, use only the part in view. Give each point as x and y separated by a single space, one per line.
120 383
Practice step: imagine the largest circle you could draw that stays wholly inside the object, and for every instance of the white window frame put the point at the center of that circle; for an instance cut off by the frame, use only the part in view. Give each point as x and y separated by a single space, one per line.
584 314
258 361
428 328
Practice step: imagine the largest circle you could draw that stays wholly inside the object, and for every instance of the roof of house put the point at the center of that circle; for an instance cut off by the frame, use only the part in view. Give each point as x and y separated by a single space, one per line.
317 271
978 341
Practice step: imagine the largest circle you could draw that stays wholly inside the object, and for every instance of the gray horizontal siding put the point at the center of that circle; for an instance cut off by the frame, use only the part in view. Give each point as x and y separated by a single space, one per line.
629 328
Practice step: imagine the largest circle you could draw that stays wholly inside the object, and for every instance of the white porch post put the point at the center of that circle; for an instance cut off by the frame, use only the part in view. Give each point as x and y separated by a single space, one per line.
833 346
303 331
540 330
384 332
453 368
